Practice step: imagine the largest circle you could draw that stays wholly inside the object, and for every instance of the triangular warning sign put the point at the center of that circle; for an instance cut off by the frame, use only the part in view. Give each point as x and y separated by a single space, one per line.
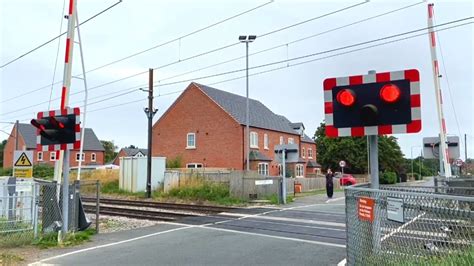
23 161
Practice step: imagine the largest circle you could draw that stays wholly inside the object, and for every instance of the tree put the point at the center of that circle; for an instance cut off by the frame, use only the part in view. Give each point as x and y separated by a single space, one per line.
132 147
110 150
2 146
353 150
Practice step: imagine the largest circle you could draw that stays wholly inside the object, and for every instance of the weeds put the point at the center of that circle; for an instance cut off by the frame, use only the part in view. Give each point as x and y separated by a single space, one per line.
72 239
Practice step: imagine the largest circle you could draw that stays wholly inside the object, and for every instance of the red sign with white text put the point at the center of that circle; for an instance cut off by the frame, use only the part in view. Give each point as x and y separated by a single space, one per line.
365 209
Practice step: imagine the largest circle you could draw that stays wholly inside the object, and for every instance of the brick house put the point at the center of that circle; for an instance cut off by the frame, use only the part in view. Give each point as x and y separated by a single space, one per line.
206 127
93 149
129 152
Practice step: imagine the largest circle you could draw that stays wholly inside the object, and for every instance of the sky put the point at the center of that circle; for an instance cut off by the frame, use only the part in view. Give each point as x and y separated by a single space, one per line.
292 88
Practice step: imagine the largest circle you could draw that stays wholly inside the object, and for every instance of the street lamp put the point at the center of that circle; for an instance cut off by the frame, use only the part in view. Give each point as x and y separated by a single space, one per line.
247 39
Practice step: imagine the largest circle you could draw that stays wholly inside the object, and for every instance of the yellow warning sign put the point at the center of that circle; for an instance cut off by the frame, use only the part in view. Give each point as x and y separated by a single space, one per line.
23 161
23 172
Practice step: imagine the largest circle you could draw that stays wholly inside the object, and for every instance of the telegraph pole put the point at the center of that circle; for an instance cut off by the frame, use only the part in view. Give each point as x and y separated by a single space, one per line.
16 135
150 112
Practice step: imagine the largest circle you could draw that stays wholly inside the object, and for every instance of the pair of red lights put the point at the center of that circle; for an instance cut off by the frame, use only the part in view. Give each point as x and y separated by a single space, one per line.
389 93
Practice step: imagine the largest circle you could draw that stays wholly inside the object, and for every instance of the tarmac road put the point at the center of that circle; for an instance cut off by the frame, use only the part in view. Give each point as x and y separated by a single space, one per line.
310 231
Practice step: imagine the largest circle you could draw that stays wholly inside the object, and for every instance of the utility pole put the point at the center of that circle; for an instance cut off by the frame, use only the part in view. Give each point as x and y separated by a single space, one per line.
16 134
150 112
465 147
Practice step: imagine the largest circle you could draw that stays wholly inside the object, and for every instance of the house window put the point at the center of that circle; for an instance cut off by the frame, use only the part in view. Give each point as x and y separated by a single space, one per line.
139 155
39 156
263 169
281 140
299 170
194 165
52 156
191 141
93 157
280 170
310 153
303 154
265 141
291 141
79 156
253 140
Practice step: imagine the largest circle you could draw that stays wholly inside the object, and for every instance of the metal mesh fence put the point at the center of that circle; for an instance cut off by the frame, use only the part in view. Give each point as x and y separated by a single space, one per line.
408 226
31 209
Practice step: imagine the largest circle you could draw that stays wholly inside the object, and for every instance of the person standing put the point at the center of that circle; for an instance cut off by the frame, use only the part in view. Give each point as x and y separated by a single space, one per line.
329 183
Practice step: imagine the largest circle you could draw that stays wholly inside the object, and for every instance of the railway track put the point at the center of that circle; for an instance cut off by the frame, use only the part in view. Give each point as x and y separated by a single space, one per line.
161 205
136 213
125 208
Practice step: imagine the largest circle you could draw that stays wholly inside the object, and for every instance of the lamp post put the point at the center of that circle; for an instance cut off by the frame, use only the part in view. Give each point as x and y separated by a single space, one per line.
247 39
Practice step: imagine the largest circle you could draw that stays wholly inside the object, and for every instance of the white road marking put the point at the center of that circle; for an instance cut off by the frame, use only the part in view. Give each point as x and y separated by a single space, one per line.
342 263
336 199
110 244
401 227
276 237
206 226
299 225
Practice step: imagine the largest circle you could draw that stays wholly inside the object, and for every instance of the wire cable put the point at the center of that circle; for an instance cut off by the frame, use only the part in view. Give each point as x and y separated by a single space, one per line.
57 55
306 56
191 57
449 87
41 45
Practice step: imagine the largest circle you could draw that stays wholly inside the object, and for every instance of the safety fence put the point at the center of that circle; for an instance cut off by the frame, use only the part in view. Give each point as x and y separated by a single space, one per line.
409 225
31 209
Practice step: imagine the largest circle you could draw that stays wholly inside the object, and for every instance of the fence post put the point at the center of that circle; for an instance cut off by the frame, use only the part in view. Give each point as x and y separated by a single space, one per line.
97 207
36 209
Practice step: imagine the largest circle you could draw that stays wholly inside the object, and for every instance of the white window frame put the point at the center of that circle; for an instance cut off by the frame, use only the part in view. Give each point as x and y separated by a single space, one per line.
303 154
194 140
39 156
263 169
280 170
265 141
52 156
93 157
81 156
282 141
194 165
310 153
291 141
299 170
254 139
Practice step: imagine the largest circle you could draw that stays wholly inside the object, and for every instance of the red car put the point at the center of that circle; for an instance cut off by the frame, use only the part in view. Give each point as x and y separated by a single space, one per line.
346 180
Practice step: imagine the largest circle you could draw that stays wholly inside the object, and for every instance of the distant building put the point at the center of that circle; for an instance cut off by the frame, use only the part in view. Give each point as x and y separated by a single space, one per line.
206 127
129 152
93 151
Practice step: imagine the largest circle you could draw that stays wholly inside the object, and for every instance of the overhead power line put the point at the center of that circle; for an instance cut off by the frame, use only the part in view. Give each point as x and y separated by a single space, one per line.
193 56
129 56
309 55
41 45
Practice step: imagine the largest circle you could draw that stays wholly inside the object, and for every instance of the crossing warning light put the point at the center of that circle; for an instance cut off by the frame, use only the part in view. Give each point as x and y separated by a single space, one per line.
373 104
58 130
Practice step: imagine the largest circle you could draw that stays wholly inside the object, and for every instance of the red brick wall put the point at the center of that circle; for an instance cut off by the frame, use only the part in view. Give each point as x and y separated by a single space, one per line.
218 135
10 148
307 146
121 153
72 161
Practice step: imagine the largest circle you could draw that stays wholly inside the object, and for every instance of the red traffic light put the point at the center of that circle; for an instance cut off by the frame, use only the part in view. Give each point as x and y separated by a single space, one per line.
346 97
390 93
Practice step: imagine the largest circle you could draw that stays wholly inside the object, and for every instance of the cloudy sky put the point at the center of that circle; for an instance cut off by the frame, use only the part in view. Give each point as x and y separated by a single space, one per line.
292 88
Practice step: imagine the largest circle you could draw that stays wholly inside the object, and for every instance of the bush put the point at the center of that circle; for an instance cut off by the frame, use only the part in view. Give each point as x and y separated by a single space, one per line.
5 171
43 171
176 162
388 178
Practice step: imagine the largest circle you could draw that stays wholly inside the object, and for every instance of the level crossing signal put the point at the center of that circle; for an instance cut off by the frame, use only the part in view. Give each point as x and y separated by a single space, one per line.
58 129
373 104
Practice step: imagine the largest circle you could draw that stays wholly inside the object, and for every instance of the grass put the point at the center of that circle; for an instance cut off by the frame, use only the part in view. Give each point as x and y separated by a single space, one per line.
72 239
10 259
274 199
216 193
